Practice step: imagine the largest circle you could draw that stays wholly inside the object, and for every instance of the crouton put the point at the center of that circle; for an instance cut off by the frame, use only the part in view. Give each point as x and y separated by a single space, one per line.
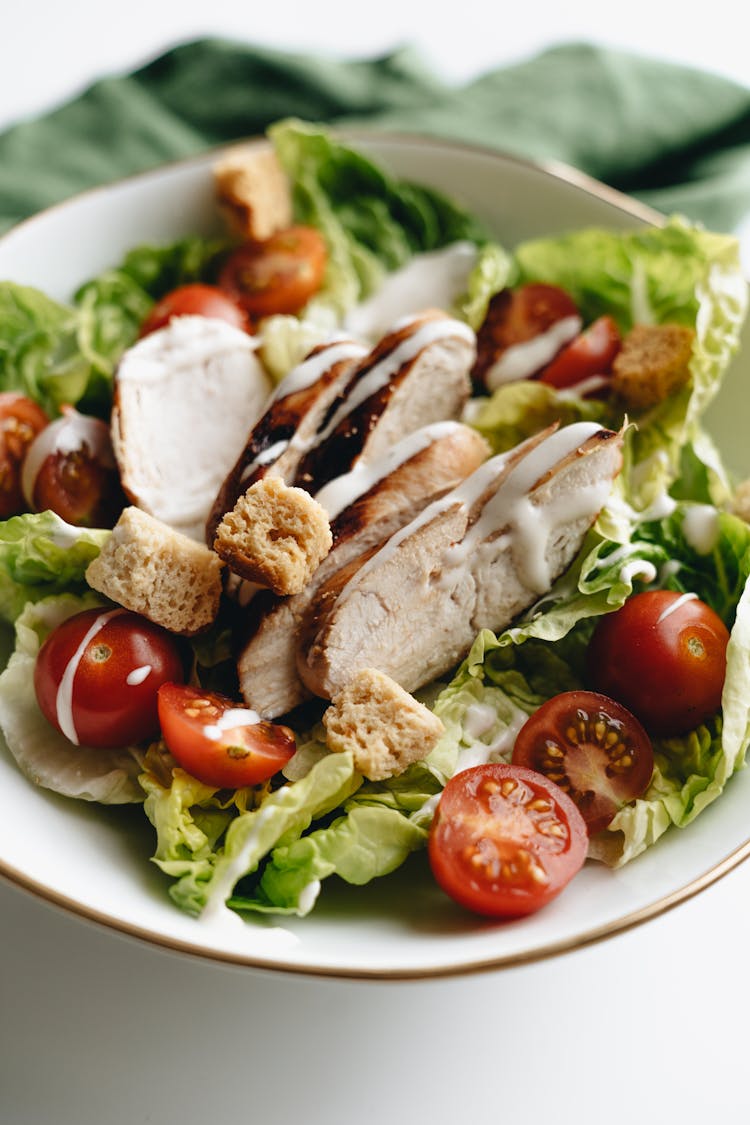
385 728
252 192
151 569
652 364
275 535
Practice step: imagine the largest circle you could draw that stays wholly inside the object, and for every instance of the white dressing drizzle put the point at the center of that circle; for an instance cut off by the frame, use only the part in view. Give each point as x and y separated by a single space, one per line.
314 367
674 606
224 881
232 718
138 675
520 361
345 489
638 568
64 697
701 527
308 896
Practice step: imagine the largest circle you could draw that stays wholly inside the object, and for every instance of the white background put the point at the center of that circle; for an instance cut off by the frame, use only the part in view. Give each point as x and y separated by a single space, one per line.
96 1029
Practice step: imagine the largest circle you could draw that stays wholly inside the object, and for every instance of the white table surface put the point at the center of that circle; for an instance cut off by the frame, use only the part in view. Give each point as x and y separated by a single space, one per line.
97 1029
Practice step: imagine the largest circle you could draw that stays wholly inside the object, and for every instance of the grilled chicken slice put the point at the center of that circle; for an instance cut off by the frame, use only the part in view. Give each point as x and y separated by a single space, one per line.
473 559
366 506
185 398
289 424
417 374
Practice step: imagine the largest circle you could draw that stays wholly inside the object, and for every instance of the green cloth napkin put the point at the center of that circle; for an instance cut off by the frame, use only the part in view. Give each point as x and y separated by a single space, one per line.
673 136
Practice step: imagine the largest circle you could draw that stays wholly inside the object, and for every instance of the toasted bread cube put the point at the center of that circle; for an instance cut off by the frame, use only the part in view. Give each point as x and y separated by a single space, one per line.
385 728
252 191
652 364
151 569
275 535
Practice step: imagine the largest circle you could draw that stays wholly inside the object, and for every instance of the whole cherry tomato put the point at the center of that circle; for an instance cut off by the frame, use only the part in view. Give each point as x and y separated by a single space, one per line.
278 275
194 300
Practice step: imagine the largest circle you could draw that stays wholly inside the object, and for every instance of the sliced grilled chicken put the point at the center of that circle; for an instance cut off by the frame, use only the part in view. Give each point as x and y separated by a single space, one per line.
473 559
185 398
366 506
289 424
417 374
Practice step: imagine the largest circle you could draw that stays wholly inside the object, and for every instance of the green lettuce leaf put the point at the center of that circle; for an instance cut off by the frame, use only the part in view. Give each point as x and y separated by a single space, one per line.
41 751
41 555
282 817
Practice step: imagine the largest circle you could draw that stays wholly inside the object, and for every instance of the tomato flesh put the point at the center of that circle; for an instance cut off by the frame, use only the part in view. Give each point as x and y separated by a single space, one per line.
505 840
278 275
663 655
111 698
593 748
21 419
591 353
219 742
194 300
517 316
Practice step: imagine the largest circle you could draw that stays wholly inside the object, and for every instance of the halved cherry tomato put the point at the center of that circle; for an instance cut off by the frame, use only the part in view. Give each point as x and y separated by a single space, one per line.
194 300
593 748
664 655
504 840
516 316
278 275
220 742
70 469
97 676
591 353
21 419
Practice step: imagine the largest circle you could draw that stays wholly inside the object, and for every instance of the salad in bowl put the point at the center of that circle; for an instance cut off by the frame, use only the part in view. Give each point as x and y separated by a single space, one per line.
350 531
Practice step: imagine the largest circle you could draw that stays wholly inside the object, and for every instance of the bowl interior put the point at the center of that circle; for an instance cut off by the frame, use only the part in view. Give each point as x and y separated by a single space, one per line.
94 861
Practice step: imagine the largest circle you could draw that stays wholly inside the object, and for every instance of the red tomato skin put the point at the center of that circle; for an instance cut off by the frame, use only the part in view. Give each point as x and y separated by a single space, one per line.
21 419
277 275
194 300
247 755
108 711
591 353
589 767
458 822
668 668
516 316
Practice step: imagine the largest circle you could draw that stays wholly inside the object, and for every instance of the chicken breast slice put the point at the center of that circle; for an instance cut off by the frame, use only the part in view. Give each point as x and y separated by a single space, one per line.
474 559
185 398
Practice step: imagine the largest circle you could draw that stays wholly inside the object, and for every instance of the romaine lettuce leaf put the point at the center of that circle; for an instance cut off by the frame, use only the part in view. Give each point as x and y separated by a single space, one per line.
42 753
41 555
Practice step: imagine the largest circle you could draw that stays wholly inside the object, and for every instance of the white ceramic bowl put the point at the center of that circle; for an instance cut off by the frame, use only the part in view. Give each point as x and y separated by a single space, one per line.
94 861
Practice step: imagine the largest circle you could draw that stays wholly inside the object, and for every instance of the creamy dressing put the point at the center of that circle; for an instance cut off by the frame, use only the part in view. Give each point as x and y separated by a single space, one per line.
701 527
520 361
342 491
435 279
678 603
339 349
64 697
308 896
231 871
425 332
231 719
63 534
265 458
638 568
138 675
479 753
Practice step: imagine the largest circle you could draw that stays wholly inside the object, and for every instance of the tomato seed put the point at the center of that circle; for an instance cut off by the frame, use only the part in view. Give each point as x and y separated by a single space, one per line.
539 805
509 786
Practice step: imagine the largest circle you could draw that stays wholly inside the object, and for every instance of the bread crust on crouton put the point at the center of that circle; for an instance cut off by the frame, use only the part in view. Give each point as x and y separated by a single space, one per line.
276 535
652 364
151 569
384 727
252 191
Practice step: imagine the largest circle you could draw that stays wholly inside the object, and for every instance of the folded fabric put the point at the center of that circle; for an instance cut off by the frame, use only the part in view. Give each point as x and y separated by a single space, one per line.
673 136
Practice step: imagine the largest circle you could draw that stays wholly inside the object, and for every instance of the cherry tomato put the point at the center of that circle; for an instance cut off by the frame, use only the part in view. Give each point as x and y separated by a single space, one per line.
194 300
21 419
663 655
279 275
220 742
505 840
97 676
591 353
593 748
516 316
70 469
